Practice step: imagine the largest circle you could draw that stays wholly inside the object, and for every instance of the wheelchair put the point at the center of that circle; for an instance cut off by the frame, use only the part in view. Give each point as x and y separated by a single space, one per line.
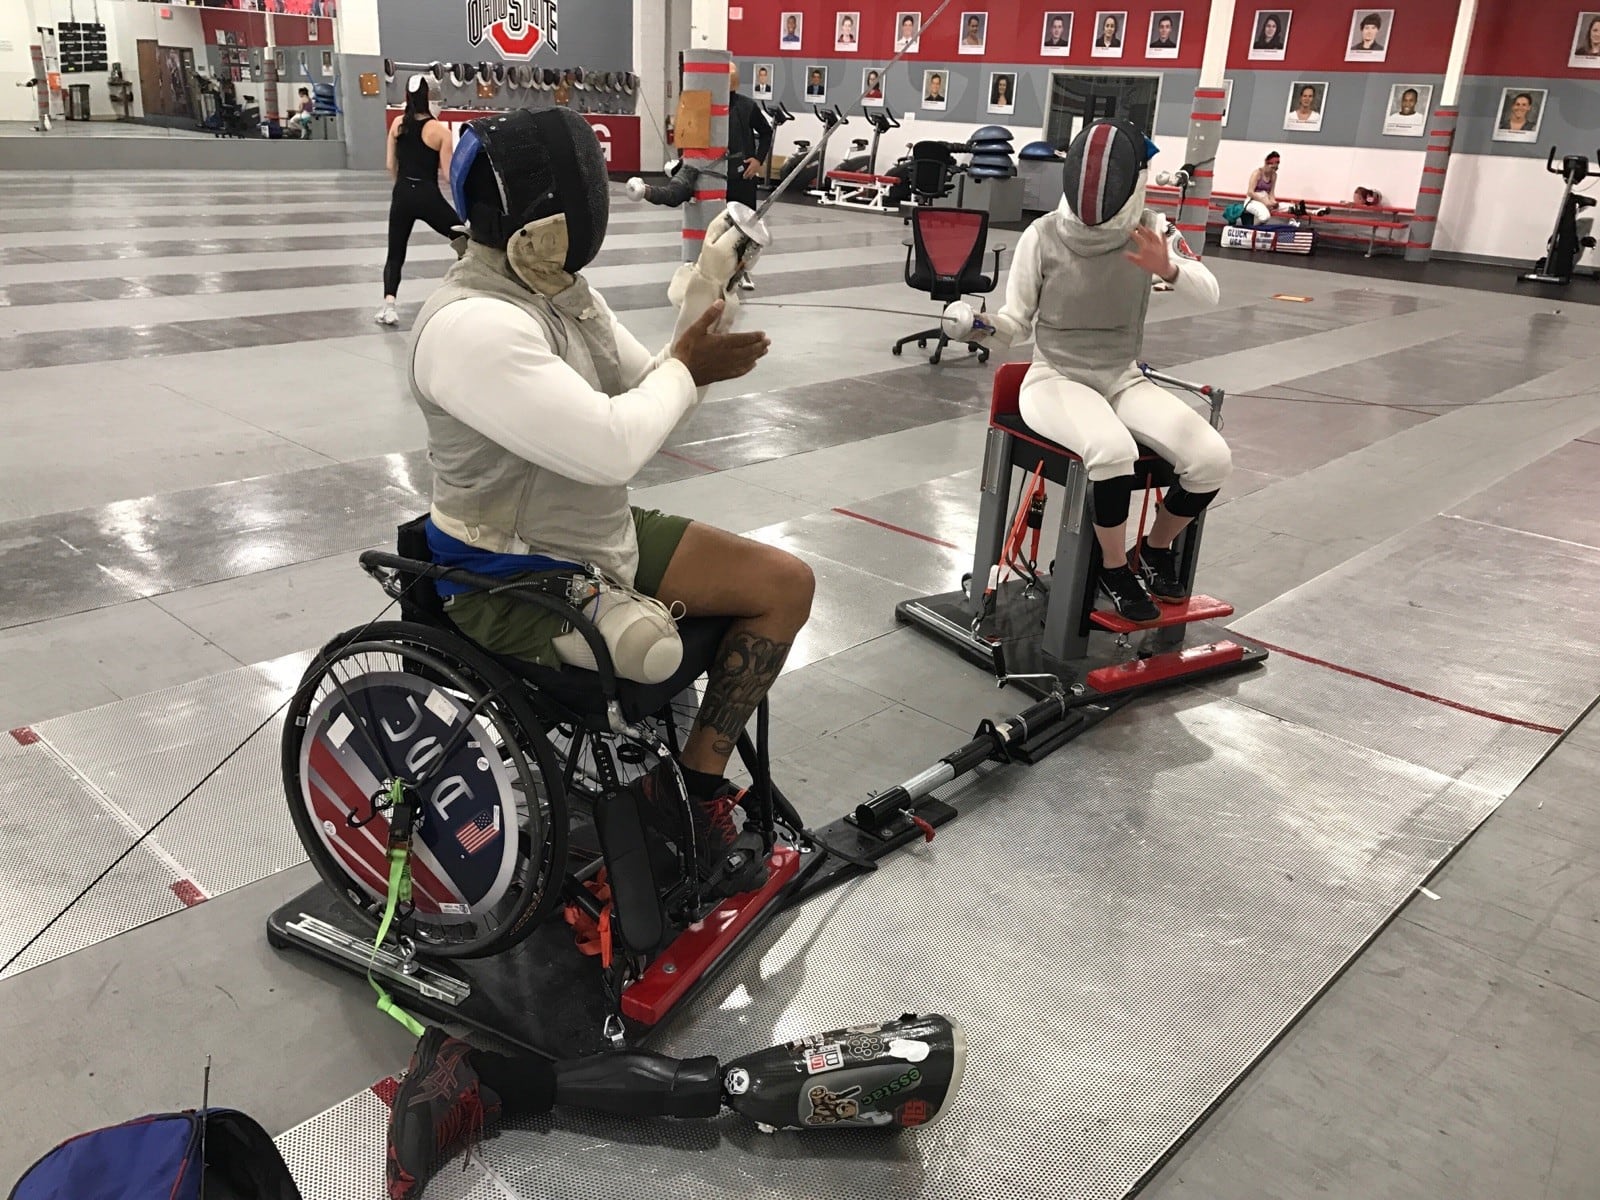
506 782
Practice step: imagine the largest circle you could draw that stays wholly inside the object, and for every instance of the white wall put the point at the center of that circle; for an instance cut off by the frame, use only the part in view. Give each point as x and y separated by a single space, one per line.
1501 207
1324 172
16 65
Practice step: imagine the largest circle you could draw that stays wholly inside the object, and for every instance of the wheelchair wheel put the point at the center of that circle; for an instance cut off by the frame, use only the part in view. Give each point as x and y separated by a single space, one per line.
402 700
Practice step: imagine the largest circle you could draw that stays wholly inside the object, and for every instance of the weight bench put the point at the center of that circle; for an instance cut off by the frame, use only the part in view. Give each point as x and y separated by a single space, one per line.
857 189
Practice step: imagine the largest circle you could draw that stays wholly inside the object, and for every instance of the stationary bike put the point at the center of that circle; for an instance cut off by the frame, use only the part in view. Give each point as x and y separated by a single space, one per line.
1567 243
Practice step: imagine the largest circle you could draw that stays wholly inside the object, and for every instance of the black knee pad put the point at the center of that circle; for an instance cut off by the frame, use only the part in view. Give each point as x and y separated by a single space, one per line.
1112 499
1186 504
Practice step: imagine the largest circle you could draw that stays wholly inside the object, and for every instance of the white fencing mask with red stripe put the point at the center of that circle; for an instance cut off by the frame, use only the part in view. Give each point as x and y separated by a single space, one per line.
1104 170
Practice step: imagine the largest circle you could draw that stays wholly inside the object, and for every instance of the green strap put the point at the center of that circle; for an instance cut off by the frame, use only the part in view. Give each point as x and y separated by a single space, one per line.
399 892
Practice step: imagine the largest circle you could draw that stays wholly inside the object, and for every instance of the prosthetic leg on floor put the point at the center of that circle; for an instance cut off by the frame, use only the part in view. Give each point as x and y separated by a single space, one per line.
1041 629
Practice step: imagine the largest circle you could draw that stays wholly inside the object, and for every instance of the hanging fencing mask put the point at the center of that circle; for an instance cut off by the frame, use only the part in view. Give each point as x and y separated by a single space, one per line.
1104 170
514 171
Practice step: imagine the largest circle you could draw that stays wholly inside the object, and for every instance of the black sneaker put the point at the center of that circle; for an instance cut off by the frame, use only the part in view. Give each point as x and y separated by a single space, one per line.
1126 591
1160 571
440 1108
729 862
726 861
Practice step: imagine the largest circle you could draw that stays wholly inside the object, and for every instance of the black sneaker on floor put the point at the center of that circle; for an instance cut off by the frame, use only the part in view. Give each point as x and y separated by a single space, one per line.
1127 593
1160 571
440 1108
730 862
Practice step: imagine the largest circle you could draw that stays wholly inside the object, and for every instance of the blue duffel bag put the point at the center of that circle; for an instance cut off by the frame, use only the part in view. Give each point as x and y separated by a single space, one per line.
159 1157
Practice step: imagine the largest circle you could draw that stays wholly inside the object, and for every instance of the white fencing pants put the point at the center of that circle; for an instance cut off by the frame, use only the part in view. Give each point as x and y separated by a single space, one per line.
1103 431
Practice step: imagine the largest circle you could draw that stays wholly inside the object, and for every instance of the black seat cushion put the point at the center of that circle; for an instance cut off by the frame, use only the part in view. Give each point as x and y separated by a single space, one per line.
579 690
970 285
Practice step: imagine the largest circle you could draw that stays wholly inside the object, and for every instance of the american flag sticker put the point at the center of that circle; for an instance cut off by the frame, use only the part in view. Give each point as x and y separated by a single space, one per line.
480 831
1299 241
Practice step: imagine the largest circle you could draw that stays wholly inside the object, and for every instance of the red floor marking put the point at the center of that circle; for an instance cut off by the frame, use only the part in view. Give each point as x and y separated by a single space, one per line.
1410 691
189 892
693 462
385 1089
25 736
912 533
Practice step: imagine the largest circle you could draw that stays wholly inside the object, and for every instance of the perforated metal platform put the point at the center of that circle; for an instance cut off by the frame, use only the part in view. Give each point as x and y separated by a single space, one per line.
1123 929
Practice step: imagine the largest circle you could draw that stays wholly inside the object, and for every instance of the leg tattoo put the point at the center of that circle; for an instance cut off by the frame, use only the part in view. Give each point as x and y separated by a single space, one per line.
747 666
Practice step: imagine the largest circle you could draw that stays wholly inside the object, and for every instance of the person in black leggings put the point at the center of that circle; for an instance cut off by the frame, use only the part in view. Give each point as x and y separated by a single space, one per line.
419 156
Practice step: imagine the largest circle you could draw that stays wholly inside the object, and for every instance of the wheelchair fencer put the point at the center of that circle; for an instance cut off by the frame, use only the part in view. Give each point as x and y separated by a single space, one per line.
1087 415
506 784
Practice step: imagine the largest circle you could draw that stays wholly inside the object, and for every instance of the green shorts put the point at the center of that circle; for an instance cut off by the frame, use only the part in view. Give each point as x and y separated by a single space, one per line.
505 625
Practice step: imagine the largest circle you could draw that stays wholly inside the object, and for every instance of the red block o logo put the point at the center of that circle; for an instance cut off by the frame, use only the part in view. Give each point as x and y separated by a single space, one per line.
514 45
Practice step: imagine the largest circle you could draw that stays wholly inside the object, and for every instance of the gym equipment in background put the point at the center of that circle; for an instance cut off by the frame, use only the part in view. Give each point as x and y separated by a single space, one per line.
779 115
1568 241
992 154
855 182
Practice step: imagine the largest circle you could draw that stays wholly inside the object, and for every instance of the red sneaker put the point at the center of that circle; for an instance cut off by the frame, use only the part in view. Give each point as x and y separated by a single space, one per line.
440 1108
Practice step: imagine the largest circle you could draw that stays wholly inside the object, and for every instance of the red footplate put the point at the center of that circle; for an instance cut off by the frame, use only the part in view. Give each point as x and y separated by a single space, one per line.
680 965
1161 668
1185 612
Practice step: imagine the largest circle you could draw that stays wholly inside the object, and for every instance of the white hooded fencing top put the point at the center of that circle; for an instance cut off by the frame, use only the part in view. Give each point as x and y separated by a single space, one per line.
1070 287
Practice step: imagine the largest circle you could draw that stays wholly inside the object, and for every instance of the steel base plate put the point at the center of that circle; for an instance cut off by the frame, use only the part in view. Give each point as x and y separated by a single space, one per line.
1013 646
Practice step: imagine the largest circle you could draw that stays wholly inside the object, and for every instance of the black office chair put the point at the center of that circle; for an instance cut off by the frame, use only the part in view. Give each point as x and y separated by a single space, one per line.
946 261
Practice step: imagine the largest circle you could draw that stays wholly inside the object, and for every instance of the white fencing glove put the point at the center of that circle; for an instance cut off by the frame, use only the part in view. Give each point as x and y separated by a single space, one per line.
696 286
963 323
635 188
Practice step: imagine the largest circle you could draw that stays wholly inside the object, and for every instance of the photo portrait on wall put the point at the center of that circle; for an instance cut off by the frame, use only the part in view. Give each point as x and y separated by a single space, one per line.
1166 29
1306 100
816 84
974 32
1227 100
845 25
1521 110
1586 42
1056 40
1369 35
1003 92
791 29
934 97
761 85
1109 29
908 32
1407 114
1271 40
872 88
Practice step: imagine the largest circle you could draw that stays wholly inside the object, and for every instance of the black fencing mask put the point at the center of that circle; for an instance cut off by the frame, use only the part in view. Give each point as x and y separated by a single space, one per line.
1104 170
511 171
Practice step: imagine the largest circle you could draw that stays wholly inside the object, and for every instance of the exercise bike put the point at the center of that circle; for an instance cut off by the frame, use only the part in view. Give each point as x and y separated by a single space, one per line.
1568 242
779 115
855 182
812 171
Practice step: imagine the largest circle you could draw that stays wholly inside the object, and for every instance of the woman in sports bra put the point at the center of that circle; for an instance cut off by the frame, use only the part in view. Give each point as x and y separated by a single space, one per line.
1263 194
419 157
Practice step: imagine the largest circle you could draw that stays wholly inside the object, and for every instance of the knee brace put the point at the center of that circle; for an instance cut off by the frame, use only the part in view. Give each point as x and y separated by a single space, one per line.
1186 504
1112 498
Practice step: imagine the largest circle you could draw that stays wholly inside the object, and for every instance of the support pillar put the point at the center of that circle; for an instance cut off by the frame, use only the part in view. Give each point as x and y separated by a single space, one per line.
1441 139
707 71
1205 127
362 117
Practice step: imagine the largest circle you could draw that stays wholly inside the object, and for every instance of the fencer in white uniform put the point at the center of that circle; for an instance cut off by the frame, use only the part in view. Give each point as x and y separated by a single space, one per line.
1079 284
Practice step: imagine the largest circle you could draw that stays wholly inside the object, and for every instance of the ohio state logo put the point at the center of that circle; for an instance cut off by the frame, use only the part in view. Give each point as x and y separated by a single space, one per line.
516 28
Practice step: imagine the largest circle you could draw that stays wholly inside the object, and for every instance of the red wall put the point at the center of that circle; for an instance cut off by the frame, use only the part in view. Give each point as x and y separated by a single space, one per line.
251 27
1529 41
1319 35
1015 30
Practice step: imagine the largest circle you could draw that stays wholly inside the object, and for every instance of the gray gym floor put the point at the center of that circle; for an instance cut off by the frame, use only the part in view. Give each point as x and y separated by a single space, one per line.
204 425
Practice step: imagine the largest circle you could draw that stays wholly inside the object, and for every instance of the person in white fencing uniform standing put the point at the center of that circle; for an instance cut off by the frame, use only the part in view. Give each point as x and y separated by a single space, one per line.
1080 286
